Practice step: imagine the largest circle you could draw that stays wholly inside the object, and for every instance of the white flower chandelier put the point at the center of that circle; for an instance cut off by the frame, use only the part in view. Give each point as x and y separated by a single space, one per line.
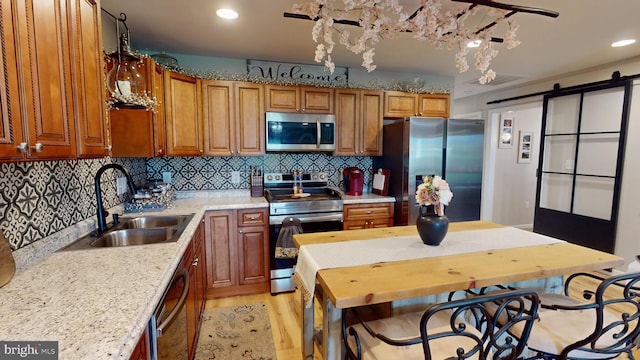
386 19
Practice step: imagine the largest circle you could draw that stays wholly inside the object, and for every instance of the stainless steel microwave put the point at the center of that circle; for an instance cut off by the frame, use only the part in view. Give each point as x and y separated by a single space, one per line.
296 132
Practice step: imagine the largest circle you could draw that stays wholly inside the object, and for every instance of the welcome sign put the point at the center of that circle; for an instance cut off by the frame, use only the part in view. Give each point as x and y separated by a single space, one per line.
271 71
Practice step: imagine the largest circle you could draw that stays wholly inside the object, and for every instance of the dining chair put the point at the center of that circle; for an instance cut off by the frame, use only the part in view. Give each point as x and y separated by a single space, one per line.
604 324
460 329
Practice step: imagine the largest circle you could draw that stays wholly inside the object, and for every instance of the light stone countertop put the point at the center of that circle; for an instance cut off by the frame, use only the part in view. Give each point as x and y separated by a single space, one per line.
366 198
96 303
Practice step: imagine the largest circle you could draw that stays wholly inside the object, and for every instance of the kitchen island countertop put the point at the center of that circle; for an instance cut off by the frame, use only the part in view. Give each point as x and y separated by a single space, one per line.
96 303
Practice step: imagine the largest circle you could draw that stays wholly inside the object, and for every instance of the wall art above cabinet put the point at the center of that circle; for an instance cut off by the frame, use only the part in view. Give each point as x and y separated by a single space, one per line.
54 104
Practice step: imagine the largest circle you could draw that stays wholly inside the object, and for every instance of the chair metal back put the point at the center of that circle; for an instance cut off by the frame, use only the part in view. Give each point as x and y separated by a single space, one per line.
480 325
619 296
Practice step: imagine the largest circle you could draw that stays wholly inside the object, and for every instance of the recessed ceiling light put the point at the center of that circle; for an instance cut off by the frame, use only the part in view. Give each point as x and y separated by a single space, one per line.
625 42
227 13
474 43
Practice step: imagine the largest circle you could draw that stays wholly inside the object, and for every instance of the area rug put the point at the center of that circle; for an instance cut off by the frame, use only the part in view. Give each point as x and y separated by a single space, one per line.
236 332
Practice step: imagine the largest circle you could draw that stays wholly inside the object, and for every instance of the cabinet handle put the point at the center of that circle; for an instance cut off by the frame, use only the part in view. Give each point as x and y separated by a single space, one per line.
253 218
23 147
38 147
240 231
195 262
201 152
232 152
160 151
109 148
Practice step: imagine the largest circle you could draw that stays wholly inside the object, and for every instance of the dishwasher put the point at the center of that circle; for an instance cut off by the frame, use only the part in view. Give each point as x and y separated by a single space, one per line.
168 325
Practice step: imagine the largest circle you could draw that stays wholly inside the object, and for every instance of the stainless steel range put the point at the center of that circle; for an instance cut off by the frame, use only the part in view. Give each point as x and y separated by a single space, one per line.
317 206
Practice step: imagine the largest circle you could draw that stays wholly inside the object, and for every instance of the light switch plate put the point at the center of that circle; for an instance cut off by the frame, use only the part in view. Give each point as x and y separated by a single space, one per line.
166 177
235 177
121 185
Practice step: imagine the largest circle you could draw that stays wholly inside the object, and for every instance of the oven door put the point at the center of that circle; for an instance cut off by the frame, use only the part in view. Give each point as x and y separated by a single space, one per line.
282 269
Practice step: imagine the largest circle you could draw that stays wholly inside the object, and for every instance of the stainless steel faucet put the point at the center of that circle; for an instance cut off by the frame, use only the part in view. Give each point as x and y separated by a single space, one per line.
101 212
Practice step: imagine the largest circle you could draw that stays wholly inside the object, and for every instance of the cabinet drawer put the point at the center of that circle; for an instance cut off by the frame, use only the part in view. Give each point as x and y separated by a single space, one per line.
367 211
252 217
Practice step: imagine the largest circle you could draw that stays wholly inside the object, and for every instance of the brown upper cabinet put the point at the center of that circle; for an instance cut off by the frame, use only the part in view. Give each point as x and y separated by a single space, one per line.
53 106
305 99
359 122
11 135
233 114
401 104
434 105
138 132
183 114
88 78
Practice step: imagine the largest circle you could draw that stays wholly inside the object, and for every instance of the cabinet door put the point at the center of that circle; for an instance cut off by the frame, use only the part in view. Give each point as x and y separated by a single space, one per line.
138 132
253 250
43 36
141 351
221 248
316 100
250 124
218 114
11 128
282 98
88 78
434 105
347 119
364 216
400 104
371 123
183 115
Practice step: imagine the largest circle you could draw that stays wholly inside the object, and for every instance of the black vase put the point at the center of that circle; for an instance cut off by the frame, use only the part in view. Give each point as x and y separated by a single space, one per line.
431 227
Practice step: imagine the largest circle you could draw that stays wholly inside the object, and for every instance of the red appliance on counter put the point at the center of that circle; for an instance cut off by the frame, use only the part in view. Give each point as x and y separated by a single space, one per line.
353 179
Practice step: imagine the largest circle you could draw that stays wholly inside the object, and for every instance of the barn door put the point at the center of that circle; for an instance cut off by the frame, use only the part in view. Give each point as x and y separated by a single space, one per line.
580 168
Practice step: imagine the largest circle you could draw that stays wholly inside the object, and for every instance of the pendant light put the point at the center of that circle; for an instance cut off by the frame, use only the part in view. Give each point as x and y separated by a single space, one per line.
125 84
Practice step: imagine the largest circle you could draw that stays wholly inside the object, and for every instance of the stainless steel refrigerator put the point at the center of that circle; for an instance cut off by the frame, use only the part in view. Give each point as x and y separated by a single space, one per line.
418 146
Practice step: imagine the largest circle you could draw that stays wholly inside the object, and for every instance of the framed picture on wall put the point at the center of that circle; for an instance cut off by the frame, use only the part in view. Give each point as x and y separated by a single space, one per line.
506 132
524 147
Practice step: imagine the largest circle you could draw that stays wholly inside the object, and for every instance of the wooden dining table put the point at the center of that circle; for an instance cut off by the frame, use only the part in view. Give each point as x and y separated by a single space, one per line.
385 282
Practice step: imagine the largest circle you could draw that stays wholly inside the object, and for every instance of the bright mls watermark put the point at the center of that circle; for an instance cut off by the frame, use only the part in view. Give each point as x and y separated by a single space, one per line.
30 350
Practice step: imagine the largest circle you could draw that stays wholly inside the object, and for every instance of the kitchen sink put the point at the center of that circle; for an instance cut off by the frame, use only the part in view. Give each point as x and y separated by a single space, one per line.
128 237
144 222
136 230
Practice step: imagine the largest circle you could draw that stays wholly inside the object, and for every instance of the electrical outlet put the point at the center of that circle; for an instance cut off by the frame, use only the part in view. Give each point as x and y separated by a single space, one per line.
166 177
121 185
526 204
235 177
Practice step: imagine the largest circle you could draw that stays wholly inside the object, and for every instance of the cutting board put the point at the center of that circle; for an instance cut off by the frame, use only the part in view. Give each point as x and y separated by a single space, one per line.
7 264
381 182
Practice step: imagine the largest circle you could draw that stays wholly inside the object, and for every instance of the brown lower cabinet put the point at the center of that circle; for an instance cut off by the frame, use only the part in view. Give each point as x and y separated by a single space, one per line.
141 351
237 252
196 263
367 216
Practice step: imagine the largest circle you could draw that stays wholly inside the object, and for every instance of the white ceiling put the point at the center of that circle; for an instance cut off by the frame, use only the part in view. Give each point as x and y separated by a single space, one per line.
578 39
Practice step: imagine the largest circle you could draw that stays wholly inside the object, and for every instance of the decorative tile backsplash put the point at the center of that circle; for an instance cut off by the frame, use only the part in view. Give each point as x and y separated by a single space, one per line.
40 198
214 173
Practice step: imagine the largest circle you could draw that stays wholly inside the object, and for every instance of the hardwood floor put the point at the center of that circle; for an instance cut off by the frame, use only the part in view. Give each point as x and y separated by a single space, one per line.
285 317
